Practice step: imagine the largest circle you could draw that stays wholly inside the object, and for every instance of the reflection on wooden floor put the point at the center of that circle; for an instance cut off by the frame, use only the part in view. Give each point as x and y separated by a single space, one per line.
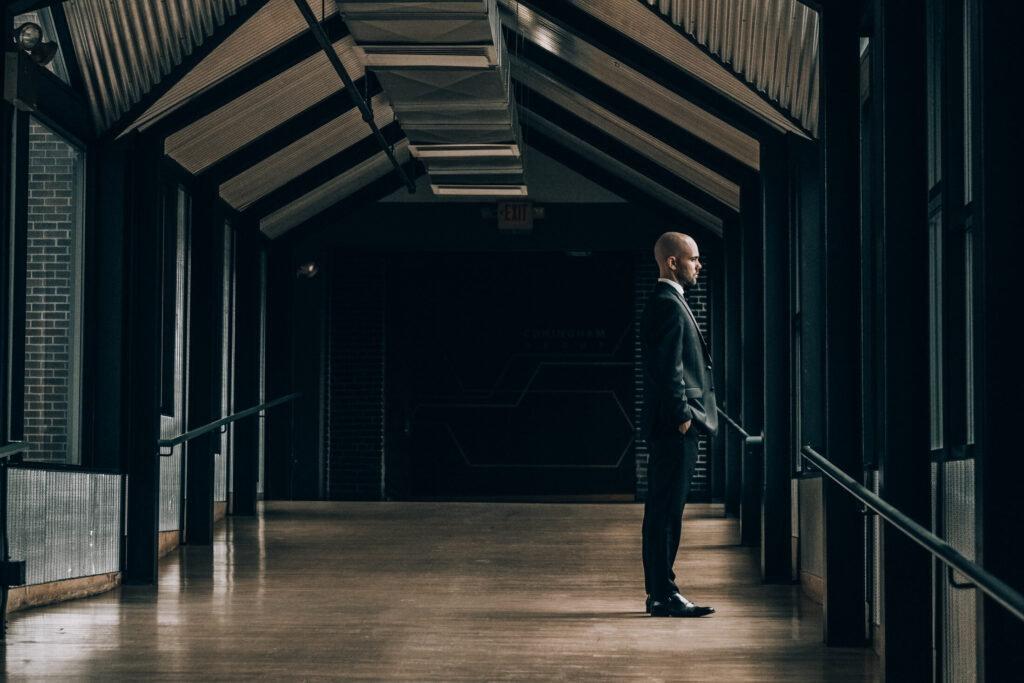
436 591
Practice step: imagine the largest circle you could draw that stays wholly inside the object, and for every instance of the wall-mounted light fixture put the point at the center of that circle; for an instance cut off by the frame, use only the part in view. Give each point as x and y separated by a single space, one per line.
307 270
29 39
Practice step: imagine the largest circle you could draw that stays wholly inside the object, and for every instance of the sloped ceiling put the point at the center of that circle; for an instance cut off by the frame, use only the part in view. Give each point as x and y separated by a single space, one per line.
670 97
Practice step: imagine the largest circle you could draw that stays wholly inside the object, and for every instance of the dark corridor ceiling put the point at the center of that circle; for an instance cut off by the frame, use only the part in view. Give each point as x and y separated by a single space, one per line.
670 98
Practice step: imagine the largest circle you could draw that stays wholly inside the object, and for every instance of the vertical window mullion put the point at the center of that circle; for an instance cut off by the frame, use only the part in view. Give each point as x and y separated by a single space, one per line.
935 324
965 101
968 333
15 360
46 299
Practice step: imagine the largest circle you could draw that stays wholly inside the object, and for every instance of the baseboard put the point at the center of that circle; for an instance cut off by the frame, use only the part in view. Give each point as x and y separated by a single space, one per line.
23 597
813 586
169 540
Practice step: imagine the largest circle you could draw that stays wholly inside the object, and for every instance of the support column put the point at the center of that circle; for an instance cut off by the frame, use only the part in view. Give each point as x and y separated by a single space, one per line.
278 422
206 311
900 146
751 416
103 343
6 225
843 525
776 513
247 371
731 402
716 304
142 364
999 363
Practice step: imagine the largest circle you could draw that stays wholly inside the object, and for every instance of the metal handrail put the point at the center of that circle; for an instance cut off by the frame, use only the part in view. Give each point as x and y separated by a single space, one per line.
13 448
750 440
217 424
997 589
734 423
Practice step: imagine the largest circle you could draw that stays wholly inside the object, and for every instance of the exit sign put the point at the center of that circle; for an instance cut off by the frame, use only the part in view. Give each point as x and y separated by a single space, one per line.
515 215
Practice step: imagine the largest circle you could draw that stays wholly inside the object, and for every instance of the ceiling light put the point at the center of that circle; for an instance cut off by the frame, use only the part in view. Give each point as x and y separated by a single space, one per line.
479 190
430 56
460 151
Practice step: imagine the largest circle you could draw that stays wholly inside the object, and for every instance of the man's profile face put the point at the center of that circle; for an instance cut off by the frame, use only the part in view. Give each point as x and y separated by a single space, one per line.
687 264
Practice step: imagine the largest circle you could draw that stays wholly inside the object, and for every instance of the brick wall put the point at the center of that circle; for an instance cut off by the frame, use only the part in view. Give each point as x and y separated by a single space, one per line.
697 298
354 378
646 274
49 314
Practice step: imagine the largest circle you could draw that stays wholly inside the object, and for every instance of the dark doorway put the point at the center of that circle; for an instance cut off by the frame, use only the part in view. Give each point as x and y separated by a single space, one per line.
510 375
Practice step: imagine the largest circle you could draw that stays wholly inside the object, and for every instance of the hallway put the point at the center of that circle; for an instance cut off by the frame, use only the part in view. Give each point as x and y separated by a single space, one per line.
436 591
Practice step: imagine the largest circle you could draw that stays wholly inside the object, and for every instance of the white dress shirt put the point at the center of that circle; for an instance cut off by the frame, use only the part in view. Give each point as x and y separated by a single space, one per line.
679 287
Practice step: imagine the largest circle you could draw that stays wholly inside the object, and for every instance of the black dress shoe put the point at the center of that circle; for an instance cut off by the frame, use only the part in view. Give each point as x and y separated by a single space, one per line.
678 606
648 604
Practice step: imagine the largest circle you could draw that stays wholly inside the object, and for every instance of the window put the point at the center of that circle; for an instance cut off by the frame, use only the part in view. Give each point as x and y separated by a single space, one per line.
968 34
225 454
174 345
51 255
935 323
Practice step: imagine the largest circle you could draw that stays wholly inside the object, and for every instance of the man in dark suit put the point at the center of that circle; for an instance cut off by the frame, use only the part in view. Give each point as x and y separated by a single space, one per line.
679 400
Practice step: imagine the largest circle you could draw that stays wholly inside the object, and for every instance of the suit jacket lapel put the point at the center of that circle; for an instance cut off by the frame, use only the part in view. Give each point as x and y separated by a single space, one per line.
693 319
703 342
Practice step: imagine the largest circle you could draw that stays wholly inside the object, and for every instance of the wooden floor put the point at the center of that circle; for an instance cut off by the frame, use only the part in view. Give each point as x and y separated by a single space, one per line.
436 591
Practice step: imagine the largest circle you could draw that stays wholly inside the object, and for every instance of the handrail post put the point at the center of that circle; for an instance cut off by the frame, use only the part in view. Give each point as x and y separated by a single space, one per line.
733 469
753 482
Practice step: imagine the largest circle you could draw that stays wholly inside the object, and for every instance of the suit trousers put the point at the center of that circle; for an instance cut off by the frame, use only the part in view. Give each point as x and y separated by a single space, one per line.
669 471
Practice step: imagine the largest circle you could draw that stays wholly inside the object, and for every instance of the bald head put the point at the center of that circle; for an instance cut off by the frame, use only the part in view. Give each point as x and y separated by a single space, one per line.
671 244
678 257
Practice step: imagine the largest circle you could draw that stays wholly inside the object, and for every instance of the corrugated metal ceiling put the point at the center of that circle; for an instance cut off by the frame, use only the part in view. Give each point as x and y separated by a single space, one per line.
772 43
656 150
304 154
659 99
331 192
125 47
437 61
266 106
276 23
636 21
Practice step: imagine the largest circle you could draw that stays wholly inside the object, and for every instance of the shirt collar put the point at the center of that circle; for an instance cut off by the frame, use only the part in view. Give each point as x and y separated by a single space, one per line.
678 287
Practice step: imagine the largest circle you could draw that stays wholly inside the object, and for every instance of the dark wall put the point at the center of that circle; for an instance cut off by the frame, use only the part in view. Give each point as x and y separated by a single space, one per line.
512 373
464 226
430 264
354 366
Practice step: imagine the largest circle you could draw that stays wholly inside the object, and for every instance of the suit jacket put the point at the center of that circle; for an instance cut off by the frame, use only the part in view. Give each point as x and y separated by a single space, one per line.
677 367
